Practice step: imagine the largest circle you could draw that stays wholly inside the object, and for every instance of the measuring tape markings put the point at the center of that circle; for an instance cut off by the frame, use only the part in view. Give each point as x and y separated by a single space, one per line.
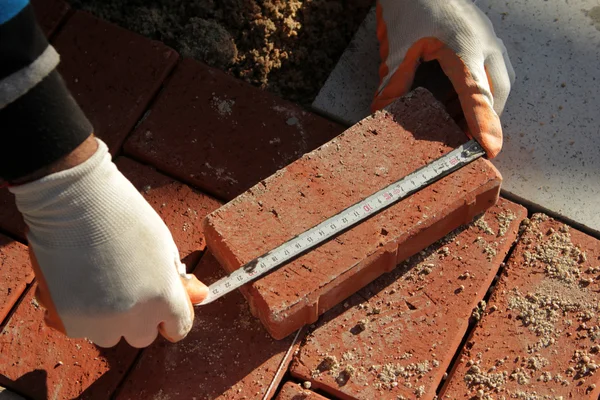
346 219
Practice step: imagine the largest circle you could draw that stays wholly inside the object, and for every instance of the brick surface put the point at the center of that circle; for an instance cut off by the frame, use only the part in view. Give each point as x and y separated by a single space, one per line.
221 134
227 355
366 158
111 72
540 336
50 14
15 273
294 391
41 363
181 207
396 337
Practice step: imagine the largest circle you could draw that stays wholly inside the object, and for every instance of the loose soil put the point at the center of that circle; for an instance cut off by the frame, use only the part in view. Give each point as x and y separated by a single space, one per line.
286 47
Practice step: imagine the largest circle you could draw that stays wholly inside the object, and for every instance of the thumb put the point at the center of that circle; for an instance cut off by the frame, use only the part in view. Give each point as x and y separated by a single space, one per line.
196 290
470 81
42 295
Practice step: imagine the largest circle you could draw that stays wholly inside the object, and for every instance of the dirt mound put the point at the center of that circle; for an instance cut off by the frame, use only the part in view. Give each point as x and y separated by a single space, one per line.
288 47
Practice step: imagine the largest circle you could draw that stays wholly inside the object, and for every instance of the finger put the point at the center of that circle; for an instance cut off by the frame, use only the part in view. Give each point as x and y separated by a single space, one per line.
42 295
399 81
507 63
499 80
399 58
475 95
179 325
196 290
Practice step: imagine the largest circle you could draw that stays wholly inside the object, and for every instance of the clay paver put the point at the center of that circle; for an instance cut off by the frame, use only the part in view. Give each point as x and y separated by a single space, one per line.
227 355
396 337
221 134
41 363
15 273
294 391
11 220
181 207
50 13
112 73
539 338
366 158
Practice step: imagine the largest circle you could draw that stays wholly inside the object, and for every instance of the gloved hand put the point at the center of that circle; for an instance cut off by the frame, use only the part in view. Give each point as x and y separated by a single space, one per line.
461 38
106 264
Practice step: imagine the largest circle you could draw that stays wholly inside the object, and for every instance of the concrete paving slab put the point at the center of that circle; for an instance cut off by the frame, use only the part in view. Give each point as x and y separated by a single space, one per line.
551 154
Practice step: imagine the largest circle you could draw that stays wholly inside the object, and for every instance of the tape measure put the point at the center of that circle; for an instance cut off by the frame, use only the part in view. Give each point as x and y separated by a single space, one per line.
346 219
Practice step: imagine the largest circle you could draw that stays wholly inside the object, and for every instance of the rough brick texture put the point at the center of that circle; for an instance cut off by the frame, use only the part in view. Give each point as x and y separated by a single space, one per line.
112 73
221 134
227 355
50 13
181 207
397 336
294 391
540 336
372 154
15 273
41 363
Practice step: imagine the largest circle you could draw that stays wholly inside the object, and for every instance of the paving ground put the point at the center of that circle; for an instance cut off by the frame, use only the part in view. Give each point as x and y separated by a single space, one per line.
505 307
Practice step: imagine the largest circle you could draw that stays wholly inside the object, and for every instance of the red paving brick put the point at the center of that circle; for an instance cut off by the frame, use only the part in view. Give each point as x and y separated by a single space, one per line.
181 207
50 13
396 337
111 72
227 355
221 134
540 336
294 391
15 273
366 158
41 363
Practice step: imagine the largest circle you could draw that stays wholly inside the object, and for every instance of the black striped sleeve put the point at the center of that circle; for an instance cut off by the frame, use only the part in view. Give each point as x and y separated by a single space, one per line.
40 122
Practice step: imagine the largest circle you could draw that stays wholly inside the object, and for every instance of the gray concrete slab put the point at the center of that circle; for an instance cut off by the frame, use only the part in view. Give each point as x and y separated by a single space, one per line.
551 156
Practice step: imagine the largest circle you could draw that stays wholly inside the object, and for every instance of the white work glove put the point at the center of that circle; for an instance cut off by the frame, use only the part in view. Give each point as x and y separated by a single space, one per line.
461 38
106 264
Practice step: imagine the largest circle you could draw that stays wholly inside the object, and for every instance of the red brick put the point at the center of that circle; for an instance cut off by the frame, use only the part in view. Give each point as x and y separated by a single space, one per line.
294 391
50 14
11 220
227 355
15 273
181 207
41 363
222 134
413 318
111 72
366 158
537 321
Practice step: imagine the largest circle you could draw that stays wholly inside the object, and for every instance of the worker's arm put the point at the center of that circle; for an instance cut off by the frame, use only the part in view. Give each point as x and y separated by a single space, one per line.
461 38
106 264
